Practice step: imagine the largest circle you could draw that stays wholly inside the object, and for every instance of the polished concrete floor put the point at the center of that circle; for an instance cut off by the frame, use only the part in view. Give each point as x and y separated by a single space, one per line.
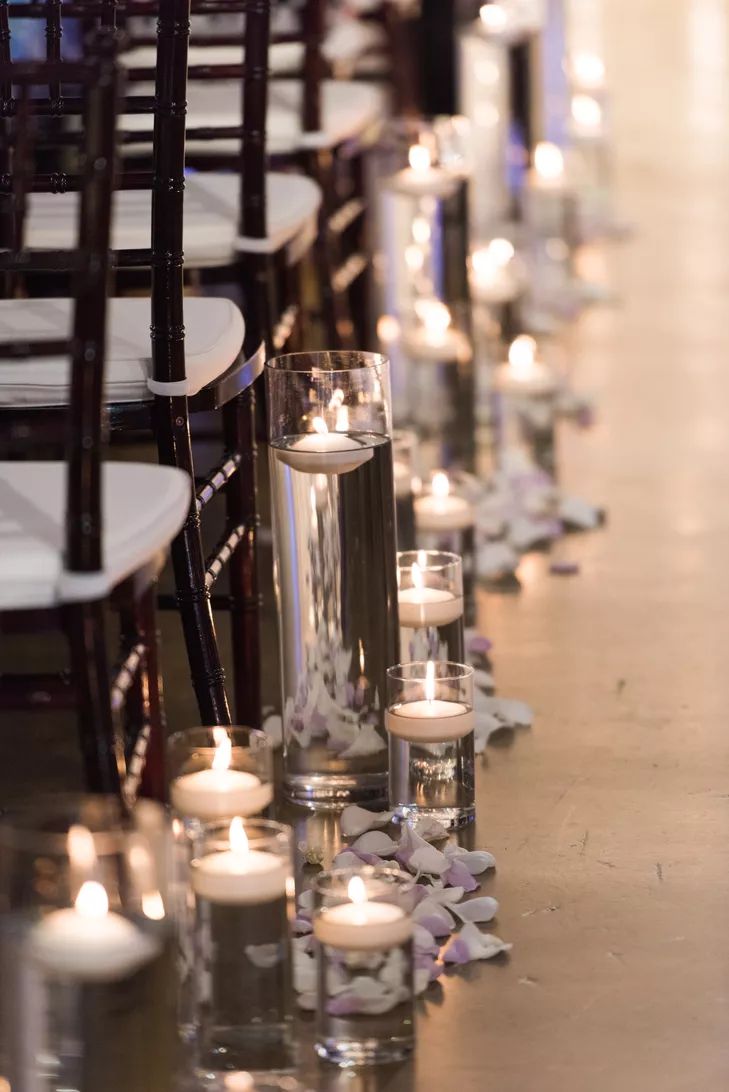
610 818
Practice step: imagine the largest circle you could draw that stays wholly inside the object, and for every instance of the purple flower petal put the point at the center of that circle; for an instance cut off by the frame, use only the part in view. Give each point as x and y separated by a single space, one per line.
480 645
459 876
456 951
564 568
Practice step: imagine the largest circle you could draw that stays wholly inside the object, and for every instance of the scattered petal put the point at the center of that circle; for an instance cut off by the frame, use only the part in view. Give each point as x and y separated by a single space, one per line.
307 1001
475 860
483 679
478 645
264 956
273 727
509 711
459 876
368 742
423 940
428 859
430 829
375 841
477 910
564 568
579 514
470 944
355 820
347 859
434 917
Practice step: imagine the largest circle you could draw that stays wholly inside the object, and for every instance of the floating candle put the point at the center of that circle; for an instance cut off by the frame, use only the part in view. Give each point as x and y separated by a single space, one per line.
324 452
493 274
586 114
88 942
421 606
239 876
548 172
361 925
524 374
429 720
587 71
441 510
219 792
421 178
435 339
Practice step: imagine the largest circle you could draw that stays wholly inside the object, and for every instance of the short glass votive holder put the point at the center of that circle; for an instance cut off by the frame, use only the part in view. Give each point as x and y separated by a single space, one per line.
86 949
445 520
219 772
240 877
430 722
430 605
405 475
365 999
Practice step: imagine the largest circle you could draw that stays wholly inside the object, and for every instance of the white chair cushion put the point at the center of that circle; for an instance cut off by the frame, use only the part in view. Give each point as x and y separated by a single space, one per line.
144 506
210 228
214 332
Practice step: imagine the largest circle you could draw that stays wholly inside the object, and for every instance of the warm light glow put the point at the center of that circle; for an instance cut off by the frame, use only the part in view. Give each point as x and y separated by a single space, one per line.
491 259
414 258
81 849
356 890
342 420
416 575
502 251
494 17
337 398
586 112
152 906
223 749
92 900
238 837
319 425
388 328
434 315
588 70
430 681
440 487
419 157
421 230
548 161
522 355
361 658
422 559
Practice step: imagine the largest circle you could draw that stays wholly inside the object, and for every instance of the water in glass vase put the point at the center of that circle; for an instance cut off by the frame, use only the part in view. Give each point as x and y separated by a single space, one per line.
336 581
433 642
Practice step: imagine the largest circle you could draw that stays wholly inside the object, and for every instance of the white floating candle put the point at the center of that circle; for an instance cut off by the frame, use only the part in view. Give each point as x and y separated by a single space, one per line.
525 375
239 876
586 118
441 510
421 178
435 339
88 943
493 277
324 452
220 792
361 925
420 606
429 720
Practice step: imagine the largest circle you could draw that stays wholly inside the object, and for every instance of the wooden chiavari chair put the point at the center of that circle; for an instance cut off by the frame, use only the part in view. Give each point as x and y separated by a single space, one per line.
195 363
74 533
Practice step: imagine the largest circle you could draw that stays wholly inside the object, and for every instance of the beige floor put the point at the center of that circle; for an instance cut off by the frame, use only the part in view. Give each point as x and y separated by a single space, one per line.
610 820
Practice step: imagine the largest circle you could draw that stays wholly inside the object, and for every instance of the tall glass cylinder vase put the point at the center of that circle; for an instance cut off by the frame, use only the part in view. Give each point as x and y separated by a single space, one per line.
334 544
430 605
86 950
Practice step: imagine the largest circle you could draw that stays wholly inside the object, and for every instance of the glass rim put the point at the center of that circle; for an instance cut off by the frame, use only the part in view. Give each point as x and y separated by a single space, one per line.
399 877
316 362
21 827
188 733
460 672
454 560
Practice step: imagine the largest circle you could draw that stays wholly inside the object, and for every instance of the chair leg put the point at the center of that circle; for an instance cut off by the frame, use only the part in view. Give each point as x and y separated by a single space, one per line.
242 511
102 755
193 598
337 320
154 782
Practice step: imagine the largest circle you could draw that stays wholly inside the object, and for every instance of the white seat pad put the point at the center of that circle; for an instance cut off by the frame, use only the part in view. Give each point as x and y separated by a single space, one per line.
214 332
210 229
144 506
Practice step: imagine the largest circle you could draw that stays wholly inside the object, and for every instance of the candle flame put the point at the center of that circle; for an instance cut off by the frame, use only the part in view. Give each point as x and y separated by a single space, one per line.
318 424
502 251
434 315
421 230
493 17
440 486
419 158
430 681
81 848
92 900
238 837
522 355
356 890
361 658
153 906
414 258
388 328
416 575
337 398
422 559
548 161
342 420
588 69
586 111
223 749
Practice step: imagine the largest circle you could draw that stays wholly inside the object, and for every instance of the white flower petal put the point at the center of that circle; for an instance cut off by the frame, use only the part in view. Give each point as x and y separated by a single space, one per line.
355 820
376 841
477 910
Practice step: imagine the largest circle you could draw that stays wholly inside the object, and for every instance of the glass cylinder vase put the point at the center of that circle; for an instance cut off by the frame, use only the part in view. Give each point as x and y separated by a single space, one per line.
334 547
240 877
430 721
365 1000
219 772
430 605
86 949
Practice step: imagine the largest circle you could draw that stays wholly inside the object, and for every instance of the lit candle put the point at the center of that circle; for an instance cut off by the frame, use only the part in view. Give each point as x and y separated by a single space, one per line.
421 178
525 374
435 339
403 478
441 510
586 115
361 925
219 792
494 18
88 942
587 71
239 876
325 452
429 720
420 606
548 170
493 273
